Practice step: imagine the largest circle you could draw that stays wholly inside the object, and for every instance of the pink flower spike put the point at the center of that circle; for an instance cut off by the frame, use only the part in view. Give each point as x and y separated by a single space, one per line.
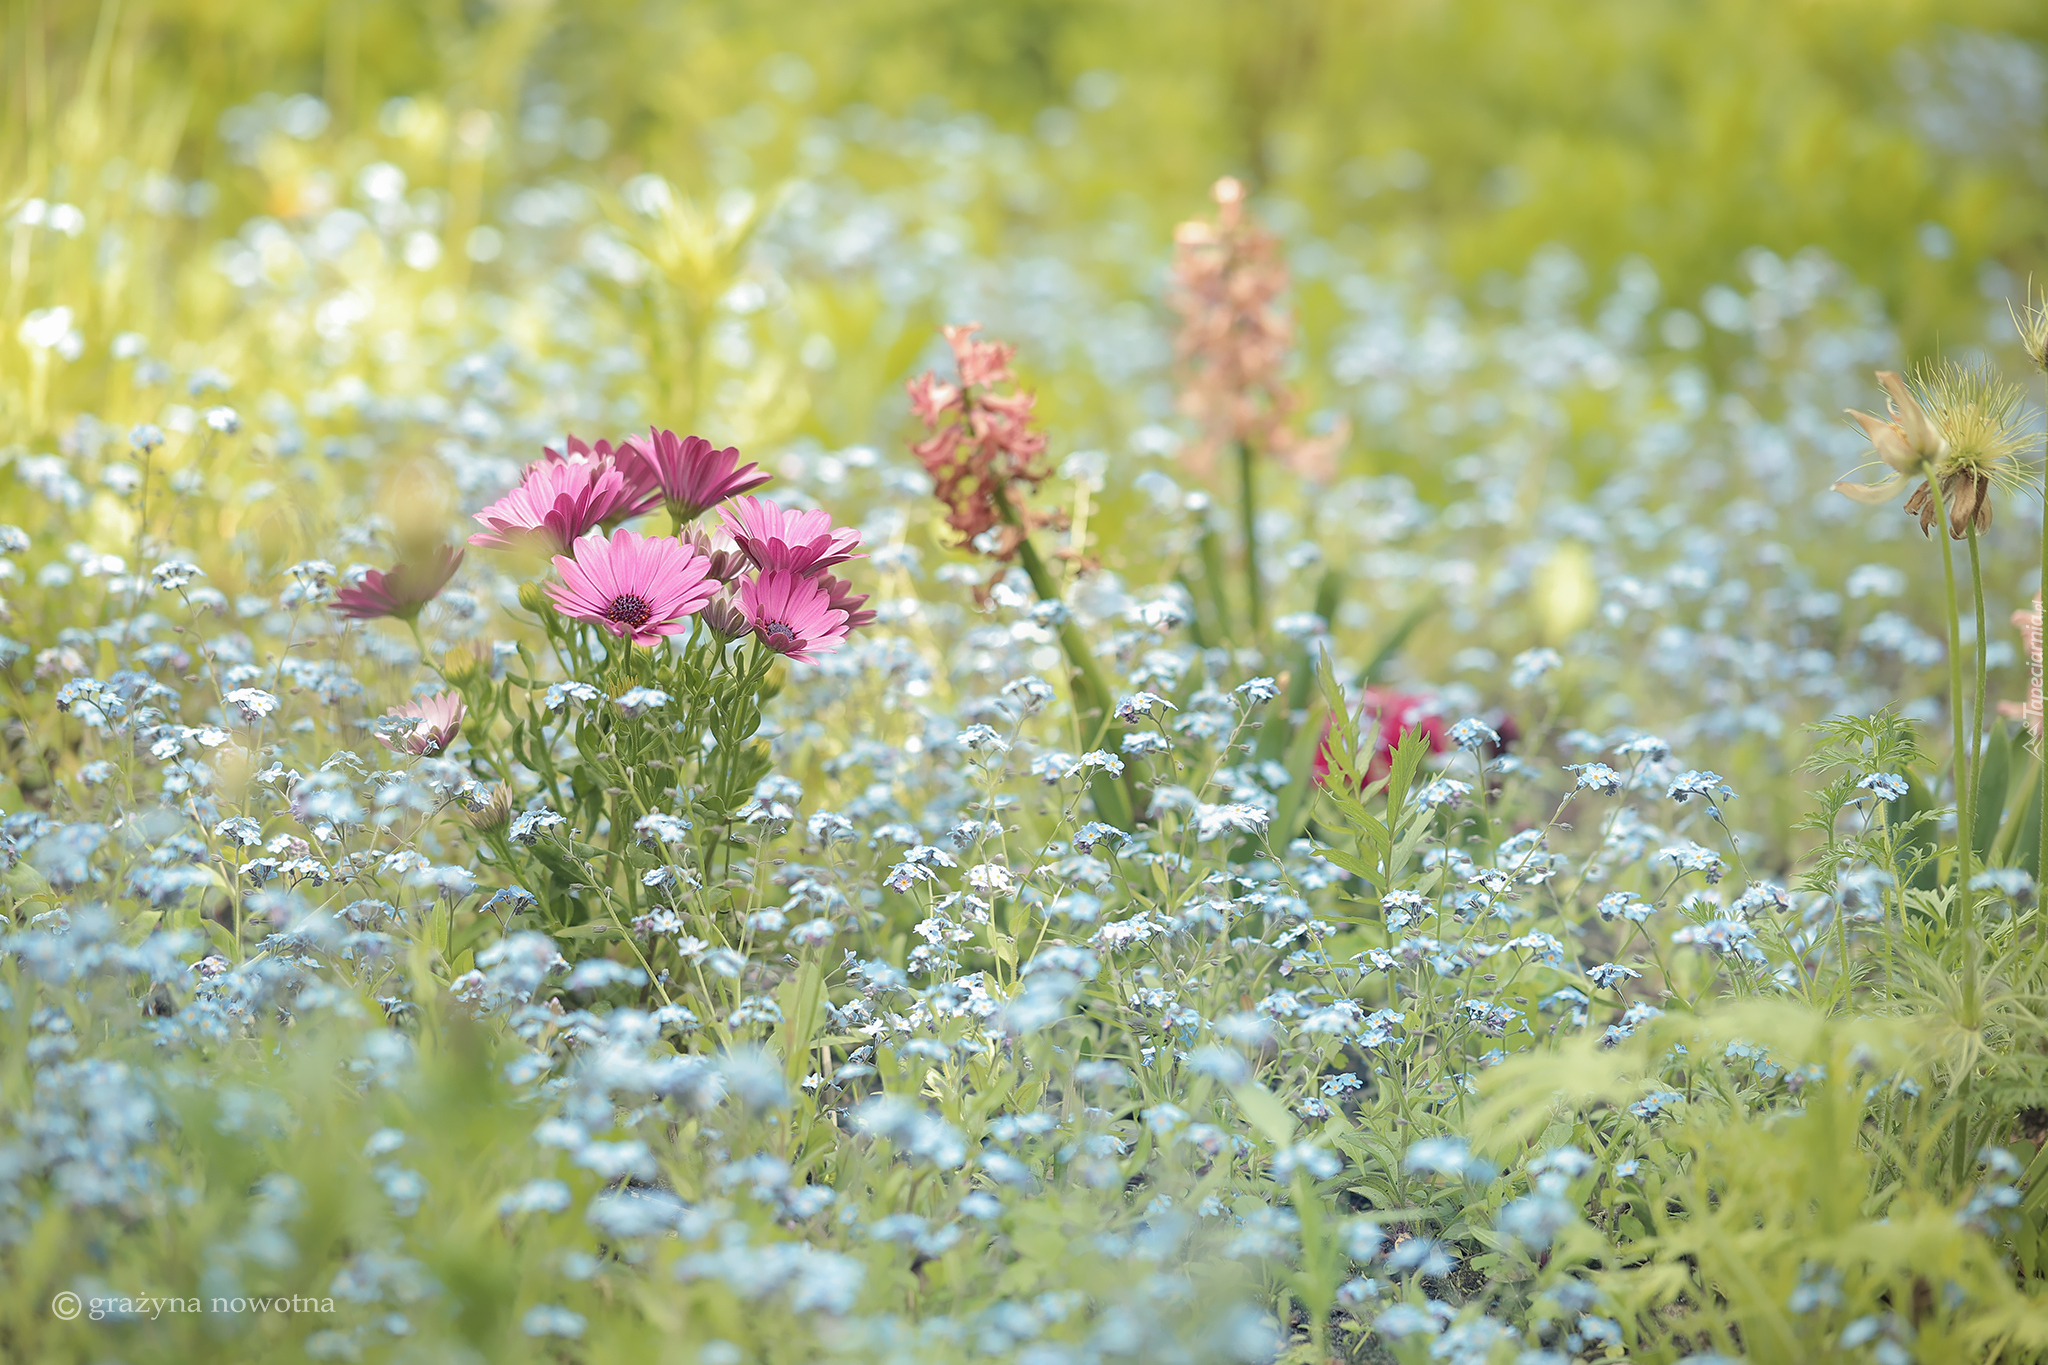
402 590
793 615
782 539
556 503
693 476
438 720
641 587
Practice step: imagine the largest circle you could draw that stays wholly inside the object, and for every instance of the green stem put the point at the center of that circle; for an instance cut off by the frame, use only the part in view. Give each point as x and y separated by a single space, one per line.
1983 644
1248 507
1965 825
2034 667
1114 800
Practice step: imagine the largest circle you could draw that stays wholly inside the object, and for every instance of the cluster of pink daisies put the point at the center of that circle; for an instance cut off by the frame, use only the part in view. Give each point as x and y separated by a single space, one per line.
761 572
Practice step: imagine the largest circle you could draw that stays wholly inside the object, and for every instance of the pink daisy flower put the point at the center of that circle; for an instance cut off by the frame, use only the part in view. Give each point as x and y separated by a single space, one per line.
793 615
624 457
641 587
558 502
693 476
401 590
780 539
438 719
845 599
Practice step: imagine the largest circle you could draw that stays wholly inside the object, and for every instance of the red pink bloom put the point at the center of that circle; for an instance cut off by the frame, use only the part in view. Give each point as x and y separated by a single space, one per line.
783 539
793 615
638 587
693 476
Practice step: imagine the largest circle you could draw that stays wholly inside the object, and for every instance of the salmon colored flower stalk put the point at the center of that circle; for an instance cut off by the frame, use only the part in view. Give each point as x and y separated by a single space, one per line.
638 587
983 454
437 720
399 592
793 615
783 539
692 474
557 503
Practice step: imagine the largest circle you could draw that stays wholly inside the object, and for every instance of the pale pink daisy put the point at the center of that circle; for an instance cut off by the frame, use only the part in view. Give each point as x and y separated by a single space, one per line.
437 720
624 457
557 503
693 475
402 590
642 587
793 615
785 539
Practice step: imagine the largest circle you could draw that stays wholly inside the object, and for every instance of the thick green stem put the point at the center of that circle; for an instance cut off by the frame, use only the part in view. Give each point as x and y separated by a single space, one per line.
1248 507
1965 822
1983 644
1114 800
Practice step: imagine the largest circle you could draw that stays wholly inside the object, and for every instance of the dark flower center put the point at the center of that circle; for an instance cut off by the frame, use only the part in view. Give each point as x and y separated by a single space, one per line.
629 610
777 636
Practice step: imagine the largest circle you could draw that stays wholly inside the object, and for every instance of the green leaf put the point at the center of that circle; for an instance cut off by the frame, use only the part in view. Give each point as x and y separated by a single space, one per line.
1265 1111
1994 771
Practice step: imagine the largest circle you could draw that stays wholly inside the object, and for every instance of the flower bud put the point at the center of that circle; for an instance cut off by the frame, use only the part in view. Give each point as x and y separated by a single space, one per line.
490 811
532 598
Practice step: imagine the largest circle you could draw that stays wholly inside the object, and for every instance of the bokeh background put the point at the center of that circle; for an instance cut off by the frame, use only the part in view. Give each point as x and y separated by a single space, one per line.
1590 284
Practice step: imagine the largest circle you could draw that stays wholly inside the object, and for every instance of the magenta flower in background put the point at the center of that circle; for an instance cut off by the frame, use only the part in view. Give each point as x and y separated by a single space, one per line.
783 539
793 615
402 590
641 587
845 599
692 474
438 719
624 457
557 503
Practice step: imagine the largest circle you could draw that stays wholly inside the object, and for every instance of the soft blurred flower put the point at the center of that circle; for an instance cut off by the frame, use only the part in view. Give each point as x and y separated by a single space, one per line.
402 590
1236 338
437 720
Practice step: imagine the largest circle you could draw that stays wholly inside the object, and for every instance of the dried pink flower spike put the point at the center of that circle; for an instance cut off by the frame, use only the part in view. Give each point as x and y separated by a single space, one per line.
785 539
983 452
402 590
639 587
557 503
1235 339
793 615
692 474
439 719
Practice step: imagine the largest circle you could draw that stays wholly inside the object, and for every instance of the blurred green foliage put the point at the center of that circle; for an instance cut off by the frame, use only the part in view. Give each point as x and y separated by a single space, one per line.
1683 132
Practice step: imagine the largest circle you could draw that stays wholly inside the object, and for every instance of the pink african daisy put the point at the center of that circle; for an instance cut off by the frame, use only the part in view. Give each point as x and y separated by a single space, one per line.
785 539
845 599
642 587
624 457
556 503
401 590
793 615
438 719
693 475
